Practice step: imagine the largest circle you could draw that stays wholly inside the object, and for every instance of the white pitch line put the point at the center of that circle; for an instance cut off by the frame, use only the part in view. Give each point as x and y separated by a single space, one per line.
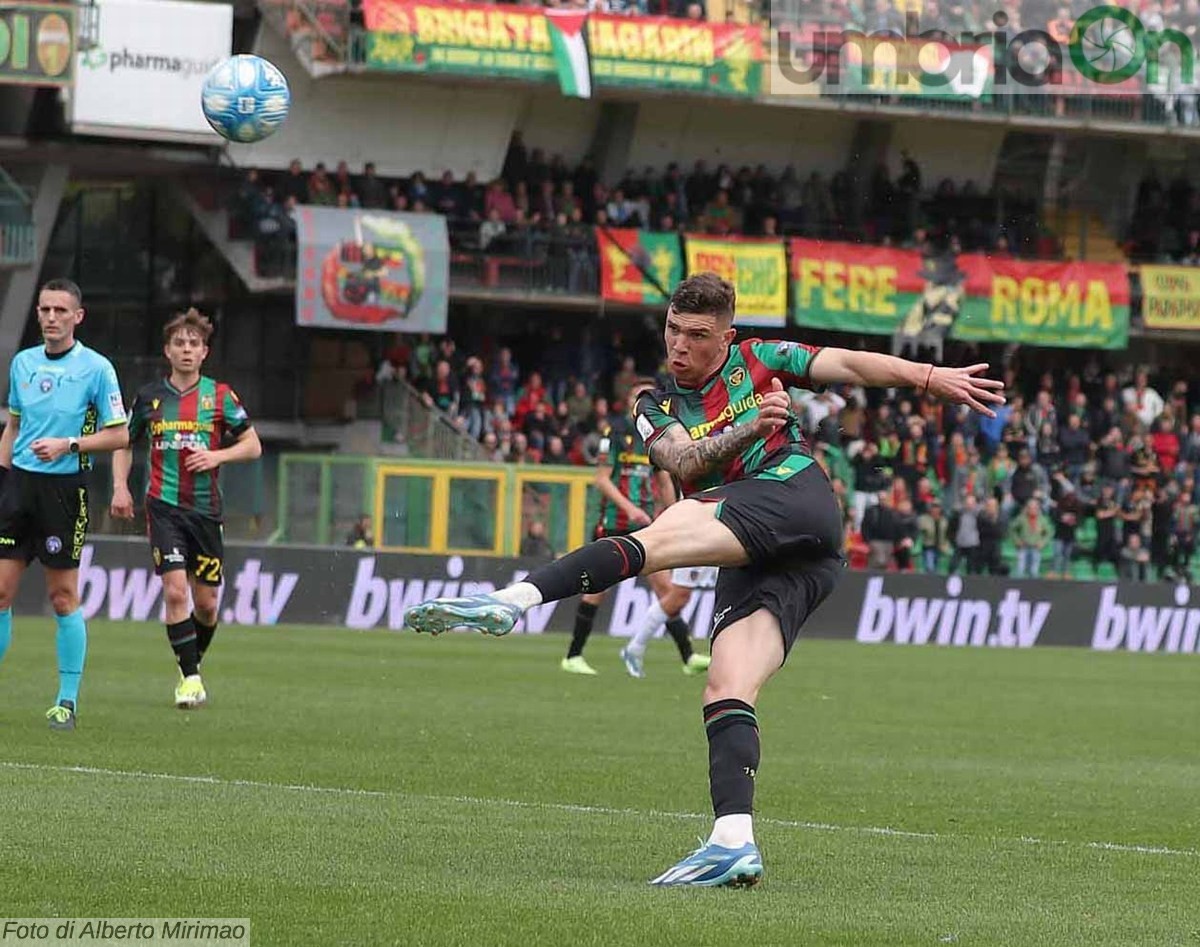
584 809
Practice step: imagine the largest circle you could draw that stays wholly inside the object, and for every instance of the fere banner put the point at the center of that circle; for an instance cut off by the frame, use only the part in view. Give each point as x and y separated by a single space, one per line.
521 43
1170 297
852 288
379 270
637 266
145 77
37 44
361 589
855 288
757 269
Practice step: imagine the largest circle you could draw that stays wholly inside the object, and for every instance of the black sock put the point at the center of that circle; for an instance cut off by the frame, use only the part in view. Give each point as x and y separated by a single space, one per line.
589 569
585 617
732 756
204 634
182 636
678 629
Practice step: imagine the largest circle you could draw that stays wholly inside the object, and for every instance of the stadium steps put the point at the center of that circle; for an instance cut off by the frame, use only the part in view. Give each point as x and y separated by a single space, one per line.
1097 245
214 221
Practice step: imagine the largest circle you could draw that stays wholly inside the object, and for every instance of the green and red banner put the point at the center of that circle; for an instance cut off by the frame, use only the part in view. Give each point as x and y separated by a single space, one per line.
637 266
757 267
878 290
578 48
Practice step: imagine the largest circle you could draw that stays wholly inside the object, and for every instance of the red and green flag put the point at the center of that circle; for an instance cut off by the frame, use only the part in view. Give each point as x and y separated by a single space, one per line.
636 266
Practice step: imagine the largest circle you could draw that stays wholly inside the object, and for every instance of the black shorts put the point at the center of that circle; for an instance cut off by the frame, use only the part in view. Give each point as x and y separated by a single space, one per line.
790 525
43 516
182 539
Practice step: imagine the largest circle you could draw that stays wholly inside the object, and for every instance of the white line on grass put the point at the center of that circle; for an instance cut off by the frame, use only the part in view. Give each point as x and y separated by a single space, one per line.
578 808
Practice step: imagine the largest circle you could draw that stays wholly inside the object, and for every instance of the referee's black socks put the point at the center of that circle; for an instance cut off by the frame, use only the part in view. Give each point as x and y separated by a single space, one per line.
589 569
182 636
733 752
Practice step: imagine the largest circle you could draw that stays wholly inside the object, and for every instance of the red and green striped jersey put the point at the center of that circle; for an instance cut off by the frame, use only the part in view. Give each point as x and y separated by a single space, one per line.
729 397
178 421
624 452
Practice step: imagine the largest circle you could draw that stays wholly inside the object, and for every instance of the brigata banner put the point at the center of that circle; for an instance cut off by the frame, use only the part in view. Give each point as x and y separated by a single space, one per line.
37 44
856 288
382 270
853 288
637 266
577 48
756 267
1073 305
1170 297
361 589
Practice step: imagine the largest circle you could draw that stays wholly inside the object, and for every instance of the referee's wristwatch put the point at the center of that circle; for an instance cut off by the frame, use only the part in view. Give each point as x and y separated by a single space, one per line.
73 445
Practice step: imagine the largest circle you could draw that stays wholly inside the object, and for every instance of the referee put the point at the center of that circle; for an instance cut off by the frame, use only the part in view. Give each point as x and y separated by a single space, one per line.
64 403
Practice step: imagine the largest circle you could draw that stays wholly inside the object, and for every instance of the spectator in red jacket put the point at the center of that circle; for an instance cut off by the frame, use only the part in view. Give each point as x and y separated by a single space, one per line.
1165 444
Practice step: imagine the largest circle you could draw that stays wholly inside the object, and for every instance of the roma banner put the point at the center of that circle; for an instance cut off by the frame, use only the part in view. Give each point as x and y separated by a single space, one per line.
638 267
757 269
1170 297
379 270
666 53
1072 305
852 288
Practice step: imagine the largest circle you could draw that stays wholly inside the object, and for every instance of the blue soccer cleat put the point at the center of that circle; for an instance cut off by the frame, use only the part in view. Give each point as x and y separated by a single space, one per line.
633 662
714 866
484 613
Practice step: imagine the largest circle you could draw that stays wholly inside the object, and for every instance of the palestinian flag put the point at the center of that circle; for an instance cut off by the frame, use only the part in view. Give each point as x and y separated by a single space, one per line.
638 267
568 30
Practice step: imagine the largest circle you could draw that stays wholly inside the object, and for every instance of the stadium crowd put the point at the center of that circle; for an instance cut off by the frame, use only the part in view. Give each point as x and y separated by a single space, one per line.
539 203
1081 473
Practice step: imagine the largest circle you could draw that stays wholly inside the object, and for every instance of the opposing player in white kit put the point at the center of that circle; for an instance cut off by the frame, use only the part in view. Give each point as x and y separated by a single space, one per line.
684 582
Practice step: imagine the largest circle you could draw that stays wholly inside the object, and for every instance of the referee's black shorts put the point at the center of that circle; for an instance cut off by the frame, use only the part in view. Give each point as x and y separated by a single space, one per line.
790 524
184 539
43 516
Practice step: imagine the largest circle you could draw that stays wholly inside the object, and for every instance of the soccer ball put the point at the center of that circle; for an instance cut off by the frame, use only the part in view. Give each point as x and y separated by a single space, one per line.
245 99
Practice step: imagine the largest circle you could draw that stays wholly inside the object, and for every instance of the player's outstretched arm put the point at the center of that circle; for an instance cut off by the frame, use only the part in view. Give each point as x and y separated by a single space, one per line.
875 370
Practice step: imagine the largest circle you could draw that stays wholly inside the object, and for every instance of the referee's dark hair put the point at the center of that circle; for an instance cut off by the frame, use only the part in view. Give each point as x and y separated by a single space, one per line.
62 285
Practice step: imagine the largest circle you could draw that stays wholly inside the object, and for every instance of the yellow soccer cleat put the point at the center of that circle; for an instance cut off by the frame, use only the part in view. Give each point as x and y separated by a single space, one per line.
189 693
577 665
697 664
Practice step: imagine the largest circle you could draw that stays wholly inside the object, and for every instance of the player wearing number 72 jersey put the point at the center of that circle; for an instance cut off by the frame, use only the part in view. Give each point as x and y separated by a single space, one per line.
186 416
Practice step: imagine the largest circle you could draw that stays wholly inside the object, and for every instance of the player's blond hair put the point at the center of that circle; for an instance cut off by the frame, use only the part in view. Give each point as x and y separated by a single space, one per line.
193 320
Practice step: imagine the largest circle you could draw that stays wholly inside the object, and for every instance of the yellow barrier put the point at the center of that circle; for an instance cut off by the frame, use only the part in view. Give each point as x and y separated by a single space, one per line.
477 509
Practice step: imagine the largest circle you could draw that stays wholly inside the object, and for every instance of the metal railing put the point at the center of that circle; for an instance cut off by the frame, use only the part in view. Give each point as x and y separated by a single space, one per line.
413 428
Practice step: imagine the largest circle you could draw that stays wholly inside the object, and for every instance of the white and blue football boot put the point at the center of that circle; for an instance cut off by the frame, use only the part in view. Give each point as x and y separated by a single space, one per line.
484 613
714 866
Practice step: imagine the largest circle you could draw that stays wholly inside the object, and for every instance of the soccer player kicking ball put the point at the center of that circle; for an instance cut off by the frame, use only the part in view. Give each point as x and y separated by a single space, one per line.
186 416
64 404
624 479
756 505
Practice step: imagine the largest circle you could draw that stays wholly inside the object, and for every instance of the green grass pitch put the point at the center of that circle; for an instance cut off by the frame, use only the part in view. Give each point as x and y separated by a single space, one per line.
349 788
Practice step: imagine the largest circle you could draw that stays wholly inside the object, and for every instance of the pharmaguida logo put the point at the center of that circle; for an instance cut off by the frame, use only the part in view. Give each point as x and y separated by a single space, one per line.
1014 622
113 60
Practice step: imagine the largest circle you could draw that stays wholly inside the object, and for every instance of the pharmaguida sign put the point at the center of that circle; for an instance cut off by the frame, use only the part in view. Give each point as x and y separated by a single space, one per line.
270 585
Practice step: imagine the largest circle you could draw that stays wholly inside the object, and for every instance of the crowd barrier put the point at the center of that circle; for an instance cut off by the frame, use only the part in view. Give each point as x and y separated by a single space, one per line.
361 589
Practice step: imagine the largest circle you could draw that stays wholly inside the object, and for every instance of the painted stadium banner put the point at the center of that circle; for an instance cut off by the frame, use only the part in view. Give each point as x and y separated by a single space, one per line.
757 268
856 288
1170 297
580 49
342 587
379 270
637 266
37 44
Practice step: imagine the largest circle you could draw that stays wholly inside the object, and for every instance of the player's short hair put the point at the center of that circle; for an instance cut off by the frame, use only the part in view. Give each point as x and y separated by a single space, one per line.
63 285
705 294
194 320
